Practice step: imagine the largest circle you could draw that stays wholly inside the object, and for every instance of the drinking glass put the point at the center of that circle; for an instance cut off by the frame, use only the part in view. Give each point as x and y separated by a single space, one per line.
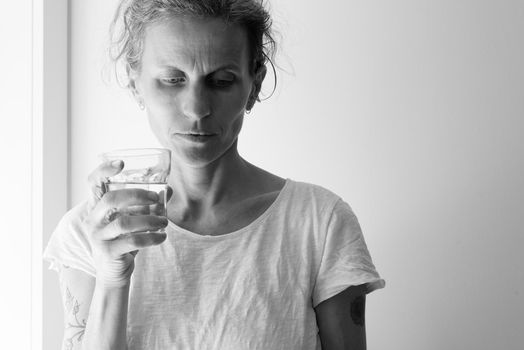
144 168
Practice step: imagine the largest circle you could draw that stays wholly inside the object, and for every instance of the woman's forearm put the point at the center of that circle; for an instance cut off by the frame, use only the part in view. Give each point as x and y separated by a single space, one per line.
107 324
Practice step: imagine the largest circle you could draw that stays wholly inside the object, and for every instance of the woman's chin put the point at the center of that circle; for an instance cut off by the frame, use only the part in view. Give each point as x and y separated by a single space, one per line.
195 158
199 157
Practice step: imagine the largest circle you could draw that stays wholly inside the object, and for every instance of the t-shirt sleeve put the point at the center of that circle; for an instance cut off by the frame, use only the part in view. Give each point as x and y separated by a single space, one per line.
345 259
69 244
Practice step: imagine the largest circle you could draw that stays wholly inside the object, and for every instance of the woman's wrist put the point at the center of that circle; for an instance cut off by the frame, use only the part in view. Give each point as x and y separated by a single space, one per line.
115 273
109 284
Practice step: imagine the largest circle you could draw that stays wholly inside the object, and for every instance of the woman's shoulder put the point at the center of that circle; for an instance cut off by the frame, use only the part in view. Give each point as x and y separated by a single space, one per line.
69 243
312 191
308 198
74 217
294 188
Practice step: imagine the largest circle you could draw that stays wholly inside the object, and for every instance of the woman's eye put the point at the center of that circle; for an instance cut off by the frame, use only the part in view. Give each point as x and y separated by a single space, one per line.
173 81
222 82
222 79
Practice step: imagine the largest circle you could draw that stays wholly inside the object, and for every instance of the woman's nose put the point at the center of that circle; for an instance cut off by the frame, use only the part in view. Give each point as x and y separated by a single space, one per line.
196 103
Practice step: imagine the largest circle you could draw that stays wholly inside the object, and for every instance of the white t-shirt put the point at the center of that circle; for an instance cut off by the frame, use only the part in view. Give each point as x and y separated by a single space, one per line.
254 288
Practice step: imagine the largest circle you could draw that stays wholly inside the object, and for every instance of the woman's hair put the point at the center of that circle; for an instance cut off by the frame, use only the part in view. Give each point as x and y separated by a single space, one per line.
133 16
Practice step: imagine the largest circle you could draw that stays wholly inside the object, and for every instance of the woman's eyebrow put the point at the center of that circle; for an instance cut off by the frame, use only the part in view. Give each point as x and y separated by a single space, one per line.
169 68
229 66
175 69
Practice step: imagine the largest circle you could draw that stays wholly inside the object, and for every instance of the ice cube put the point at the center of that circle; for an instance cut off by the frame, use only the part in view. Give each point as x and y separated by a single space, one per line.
158 177
131 175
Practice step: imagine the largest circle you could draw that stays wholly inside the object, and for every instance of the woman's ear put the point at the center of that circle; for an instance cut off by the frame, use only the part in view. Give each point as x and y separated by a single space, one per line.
260 74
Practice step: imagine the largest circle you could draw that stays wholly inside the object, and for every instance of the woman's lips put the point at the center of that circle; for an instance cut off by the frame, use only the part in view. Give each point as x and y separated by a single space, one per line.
197 137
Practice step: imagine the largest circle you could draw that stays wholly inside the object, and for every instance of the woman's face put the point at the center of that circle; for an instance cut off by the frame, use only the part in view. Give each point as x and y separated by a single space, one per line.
195 82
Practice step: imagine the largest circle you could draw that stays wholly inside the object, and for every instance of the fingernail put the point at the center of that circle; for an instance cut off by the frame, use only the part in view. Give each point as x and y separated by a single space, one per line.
153 196
116 163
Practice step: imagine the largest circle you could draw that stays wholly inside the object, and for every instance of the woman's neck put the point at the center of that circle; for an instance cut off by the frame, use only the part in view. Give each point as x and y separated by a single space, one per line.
203 187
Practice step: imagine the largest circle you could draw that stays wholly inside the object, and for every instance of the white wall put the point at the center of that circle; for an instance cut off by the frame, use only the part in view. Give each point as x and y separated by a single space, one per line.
16 176
410 110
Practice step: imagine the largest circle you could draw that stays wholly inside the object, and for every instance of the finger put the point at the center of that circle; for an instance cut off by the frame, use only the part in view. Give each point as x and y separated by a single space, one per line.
125 224
98 178
169 193
158 209
120 200
166 193
139 210
130 243
105 170
153 209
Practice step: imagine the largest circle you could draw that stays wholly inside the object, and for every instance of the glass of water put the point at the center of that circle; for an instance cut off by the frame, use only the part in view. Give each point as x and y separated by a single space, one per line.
144 168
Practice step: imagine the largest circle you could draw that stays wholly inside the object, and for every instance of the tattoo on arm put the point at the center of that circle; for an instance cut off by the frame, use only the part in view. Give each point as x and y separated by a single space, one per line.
358 309
75 328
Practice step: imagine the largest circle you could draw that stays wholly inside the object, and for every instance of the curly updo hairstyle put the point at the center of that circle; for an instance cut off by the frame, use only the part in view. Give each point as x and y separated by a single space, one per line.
133 16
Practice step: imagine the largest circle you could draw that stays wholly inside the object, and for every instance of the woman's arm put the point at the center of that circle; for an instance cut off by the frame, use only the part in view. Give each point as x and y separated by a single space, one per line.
340 320
77 289
95 314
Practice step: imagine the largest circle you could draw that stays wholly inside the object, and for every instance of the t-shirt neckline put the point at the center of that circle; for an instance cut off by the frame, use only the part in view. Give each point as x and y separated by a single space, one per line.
241 230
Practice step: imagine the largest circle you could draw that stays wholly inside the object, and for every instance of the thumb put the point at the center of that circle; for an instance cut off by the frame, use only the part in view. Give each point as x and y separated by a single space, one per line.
98 178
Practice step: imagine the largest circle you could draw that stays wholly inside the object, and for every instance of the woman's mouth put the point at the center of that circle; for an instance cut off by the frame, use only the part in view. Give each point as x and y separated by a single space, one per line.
198 137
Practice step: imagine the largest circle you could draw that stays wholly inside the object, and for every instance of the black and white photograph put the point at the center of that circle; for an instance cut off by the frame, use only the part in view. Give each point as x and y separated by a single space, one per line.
262 175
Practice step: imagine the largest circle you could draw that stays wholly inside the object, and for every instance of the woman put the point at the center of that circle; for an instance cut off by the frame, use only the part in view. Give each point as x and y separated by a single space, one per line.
249 260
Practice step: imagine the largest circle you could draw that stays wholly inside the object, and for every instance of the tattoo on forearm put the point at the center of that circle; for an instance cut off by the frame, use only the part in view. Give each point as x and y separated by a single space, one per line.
358 307
75 329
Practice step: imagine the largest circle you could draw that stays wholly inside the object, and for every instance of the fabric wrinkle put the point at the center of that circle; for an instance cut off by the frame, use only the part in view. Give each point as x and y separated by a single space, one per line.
255 288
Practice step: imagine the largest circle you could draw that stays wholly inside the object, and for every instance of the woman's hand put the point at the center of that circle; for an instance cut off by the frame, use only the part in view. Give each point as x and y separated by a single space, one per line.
117 221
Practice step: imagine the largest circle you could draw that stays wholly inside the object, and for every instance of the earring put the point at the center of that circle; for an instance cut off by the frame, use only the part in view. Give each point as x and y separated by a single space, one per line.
248 111
141 105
